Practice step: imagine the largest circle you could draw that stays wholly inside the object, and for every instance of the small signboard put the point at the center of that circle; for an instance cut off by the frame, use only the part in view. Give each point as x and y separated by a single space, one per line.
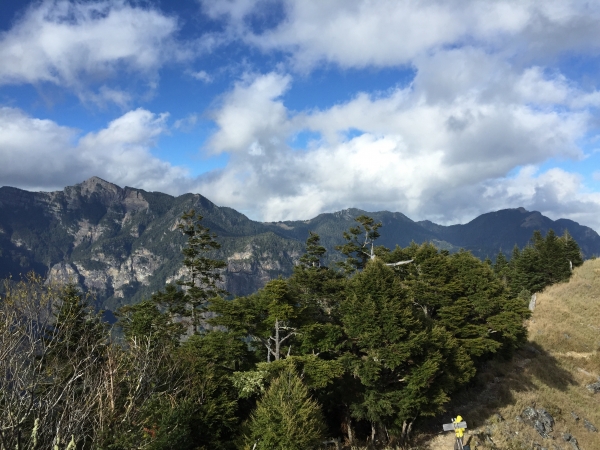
455 425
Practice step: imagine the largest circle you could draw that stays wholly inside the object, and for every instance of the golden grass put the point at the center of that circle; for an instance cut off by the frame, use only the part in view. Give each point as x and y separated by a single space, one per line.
551 372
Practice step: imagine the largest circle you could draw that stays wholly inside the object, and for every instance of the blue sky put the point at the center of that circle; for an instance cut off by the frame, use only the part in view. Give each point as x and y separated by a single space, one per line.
284 109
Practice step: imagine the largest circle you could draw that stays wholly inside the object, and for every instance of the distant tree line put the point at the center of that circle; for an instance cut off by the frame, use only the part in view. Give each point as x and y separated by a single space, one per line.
545 261
354 354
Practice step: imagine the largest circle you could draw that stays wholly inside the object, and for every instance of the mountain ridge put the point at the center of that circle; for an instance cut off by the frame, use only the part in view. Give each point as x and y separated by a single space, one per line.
120 242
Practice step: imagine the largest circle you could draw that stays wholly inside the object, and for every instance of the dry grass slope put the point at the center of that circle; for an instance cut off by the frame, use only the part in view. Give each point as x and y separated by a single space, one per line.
551 372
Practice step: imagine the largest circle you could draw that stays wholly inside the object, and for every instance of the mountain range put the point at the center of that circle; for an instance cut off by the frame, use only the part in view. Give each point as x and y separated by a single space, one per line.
122 244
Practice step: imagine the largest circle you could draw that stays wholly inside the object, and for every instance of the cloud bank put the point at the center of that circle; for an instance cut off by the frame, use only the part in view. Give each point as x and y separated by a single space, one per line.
120 153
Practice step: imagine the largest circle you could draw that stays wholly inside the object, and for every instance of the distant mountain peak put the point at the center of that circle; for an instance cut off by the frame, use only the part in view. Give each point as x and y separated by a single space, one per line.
96 184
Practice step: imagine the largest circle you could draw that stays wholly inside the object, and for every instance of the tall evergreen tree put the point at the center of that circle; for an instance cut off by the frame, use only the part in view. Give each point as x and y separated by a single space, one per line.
407 367
360 244
502 268
286 418
204 277
318 290
270 317
572 251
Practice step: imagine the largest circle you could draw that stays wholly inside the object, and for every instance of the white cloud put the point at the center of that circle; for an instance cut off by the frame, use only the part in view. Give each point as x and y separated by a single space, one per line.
251 114
82 44
481 105
187 123
429 155
119 153
360 33
202 75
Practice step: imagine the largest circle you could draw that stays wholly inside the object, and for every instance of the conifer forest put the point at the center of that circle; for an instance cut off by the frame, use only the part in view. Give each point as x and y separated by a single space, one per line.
359 353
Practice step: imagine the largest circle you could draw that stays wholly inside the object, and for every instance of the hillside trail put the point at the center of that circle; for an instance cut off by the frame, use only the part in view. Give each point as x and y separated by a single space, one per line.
551 372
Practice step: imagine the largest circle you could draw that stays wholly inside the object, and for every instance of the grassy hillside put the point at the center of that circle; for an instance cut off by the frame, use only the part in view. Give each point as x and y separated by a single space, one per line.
551 372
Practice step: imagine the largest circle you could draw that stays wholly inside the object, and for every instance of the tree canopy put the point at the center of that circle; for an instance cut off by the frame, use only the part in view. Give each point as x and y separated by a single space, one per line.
357 354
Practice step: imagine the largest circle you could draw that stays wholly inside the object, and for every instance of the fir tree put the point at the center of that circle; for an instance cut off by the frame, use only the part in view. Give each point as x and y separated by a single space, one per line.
502 268
407 367
286 418
314 251
144 320
318 290
203 272
572 251
271 317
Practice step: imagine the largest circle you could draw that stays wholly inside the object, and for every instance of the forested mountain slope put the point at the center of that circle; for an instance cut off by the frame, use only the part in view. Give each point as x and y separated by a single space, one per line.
122 243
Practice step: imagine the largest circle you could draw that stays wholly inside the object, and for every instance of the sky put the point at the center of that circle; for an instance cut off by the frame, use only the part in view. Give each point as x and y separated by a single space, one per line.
281 109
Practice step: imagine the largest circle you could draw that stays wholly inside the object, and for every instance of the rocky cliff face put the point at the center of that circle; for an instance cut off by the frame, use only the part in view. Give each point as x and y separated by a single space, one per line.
123 244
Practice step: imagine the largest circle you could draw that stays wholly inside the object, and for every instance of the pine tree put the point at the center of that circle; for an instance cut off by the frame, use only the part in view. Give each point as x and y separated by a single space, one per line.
358 249
314 251
407 366
203 276
271 317
572 251
286 418
501 268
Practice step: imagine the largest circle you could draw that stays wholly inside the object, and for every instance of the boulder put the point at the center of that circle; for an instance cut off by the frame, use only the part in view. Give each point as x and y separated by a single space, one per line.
589 426
594 388
539 419
571 440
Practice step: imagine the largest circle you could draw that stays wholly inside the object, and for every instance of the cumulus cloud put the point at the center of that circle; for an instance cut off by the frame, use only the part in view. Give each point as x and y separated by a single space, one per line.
483 105
252 115
427 154
120 153
82 44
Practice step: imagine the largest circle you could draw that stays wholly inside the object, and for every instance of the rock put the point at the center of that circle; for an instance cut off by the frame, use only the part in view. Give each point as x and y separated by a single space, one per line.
575 416
571 440
541 429
545 417
594 388
589 426
529 414
532 302
540 420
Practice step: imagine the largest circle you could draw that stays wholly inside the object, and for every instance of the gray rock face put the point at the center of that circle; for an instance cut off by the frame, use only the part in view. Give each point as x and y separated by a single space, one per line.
122 244
539 419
